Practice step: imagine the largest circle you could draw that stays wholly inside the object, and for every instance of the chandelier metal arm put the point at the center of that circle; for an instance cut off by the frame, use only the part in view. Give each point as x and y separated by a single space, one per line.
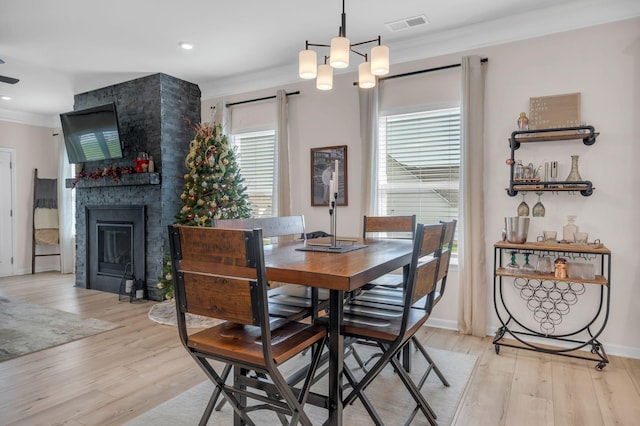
317 45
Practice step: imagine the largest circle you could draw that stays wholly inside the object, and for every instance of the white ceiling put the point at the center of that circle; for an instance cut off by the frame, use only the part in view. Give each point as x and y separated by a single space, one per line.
60 48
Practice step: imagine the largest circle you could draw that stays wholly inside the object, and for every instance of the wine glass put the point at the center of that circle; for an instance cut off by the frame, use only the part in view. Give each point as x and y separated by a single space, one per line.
538 208
523 208
513 266
527 268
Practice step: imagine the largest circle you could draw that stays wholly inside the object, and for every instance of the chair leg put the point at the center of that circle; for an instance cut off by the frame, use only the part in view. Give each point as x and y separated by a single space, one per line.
214 397
236 404
423 405
363 398
432 365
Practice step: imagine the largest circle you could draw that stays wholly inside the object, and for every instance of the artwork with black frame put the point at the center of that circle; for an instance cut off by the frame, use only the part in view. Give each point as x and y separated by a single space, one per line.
323 162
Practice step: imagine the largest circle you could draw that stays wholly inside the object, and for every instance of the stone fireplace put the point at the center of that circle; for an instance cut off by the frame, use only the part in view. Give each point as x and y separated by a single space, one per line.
156 115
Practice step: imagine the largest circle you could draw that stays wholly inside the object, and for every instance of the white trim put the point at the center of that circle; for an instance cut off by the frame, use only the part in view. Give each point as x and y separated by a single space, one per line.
436 106
33 119
14 229
610 348
551 20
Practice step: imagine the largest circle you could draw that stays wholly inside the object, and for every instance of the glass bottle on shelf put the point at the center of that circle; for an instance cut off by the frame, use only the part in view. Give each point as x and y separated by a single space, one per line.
569 230
523 122
518 170
574 174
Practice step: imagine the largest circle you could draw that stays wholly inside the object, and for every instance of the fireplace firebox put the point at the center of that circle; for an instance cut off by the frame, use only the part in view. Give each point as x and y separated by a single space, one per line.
115 243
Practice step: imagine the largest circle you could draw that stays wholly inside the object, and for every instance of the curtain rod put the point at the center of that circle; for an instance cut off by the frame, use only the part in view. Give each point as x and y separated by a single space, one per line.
259 99
406 74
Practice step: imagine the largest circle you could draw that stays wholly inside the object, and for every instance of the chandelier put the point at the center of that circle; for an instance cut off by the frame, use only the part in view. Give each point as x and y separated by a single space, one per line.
376 63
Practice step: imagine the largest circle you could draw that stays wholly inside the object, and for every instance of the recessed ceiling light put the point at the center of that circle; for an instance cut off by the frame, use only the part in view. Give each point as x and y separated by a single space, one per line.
186 45
5 98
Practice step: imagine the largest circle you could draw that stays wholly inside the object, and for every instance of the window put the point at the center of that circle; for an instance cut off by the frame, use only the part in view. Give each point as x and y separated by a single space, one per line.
419 165
256 157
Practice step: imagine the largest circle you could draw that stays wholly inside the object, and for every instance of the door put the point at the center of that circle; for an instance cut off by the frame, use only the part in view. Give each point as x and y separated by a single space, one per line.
6 213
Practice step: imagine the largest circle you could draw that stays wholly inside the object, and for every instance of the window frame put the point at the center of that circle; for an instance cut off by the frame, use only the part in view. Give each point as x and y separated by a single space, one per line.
384 187
236 141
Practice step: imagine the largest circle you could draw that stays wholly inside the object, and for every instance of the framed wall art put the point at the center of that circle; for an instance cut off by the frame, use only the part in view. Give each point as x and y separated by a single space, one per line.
329 175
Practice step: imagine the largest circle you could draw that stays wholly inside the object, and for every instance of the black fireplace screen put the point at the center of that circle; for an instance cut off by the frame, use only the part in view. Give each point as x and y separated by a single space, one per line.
115 248
115 238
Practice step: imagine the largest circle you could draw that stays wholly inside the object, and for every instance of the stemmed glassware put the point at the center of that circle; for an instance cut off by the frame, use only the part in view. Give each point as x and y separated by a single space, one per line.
513 266
523 208
538 208
527 268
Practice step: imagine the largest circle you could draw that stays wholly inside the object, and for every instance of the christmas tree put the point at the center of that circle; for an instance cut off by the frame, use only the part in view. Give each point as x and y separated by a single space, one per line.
214 188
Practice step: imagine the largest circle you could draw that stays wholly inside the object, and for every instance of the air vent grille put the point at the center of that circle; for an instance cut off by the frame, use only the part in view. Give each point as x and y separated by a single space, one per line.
407 23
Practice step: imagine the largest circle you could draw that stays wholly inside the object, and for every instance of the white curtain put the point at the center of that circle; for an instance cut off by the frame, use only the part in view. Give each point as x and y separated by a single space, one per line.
472 309
282 190
369 99
65 211
222 115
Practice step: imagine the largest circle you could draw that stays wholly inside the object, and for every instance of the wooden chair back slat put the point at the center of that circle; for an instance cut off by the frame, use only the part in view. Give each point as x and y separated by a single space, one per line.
428 242
218 297
447 247
445 259
397 224
280 226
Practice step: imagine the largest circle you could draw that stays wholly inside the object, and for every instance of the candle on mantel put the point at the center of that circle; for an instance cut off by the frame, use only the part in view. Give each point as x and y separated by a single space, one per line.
330 189
336 178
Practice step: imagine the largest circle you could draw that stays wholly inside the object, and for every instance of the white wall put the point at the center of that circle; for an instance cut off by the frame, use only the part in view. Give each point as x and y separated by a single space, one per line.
602 63
35 147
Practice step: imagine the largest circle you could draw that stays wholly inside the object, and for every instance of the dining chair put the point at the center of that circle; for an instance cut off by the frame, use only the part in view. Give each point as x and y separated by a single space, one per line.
391 332
291 301
389 227
220 273
388 301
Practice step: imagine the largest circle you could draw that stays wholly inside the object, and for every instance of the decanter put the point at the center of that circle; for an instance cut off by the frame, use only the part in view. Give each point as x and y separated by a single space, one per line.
574 175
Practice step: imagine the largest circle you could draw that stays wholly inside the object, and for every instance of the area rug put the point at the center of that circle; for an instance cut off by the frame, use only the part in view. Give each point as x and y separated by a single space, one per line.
26 328
165 313
387 394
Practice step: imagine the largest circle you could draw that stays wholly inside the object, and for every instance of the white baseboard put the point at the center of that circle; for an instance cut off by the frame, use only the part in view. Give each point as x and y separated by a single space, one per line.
610 348
25 271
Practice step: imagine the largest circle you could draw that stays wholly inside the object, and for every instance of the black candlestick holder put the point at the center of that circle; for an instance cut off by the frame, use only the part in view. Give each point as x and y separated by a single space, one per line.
333 220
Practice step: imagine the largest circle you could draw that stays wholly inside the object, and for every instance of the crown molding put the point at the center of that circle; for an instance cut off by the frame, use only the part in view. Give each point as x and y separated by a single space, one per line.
41 120
552 20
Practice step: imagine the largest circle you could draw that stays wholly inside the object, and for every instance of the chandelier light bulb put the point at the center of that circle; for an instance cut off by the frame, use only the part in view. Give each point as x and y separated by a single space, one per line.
366 80
325 77
308 64
380 60
339 53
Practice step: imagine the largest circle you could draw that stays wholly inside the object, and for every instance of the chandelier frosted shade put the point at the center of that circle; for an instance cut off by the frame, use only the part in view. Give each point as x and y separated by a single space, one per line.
339 53
325 77
366 80
308 64
380 60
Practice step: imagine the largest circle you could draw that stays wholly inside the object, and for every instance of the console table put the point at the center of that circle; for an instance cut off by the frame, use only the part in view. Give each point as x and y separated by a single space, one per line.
522 298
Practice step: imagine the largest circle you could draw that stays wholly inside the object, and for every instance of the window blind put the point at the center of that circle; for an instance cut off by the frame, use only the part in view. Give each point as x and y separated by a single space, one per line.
419 165
256 157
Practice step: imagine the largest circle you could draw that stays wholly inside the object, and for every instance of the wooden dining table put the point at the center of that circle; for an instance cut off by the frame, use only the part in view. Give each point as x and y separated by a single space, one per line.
340 273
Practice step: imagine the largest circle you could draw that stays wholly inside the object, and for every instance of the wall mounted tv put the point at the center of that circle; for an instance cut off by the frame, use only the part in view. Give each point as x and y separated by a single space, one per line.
92 134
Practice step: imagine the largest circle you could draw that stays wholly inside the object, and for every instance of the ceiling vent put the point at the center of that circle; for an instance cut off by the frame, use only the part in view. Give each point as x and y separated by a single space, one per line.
407 23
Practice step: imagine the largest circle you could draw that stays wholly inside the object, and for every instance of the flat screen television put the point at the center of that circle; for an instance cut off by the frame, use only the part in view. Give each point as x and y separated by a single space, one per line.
92 134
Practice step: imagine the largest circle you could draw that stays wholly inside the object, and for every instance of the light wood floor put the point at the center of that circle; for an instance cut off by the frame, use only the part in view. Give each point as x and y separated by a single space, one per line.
110 378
